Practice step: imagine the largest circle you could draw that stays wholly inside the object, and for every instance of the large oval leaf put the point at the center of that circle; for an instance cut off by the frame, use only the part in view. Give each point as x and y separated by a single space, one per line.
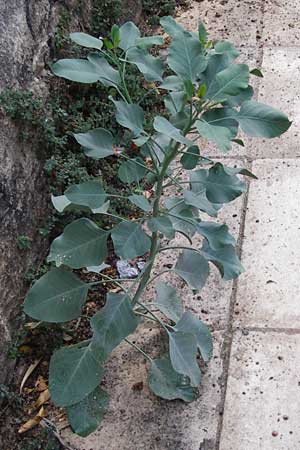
259 120
130 116
90 194
191 324
97 143
192 268
86 40
225 259
130 240
73 374
217 234
183 353
81 244
58 296
166 383
129 33
85 416
132 171
79 70
220 185
186 56
167 301
152 68
198 199
229 82
162 125
107 75
114 322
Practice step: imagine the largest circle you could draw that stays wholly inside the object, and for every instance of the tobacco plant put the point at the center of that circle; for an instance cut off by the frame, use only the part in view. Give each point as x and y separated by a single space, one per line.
206 95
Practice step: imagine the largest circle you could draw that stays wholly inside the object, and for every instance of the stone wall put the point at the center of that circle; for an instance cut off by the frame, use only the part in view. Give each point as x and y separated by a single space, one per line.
25 29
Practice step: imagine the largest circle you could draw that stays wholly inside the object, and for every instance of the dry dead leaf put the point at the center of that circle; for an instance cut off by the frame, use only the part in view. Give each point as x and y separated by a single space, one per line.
41 384
32 325
67 337
147 194
33 422
43 398
25 349
28 372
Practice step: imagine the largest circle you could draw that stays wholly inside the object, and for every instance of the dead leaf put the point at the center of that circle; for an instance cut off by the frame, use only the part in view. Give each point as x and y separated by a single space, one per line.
28 372
43 398
25 349
67 337
32 325
41 384
147 194
31 423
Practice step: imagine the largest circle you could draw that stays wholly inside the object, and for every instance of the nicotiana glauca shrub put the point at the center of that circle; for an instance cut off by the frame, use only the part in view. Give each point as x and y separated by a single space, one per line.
206 94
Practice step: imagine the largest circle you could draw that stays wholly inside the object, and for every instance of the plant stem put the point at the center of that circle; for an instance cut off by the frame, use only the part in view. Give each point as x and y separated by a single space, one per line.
138 349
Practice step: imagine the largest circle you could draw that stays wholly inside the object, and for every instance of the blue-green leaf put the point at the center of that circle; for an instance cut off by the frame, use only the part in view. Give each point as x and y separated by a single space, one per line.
141 202
163 225
259 120
162 125
129 33
191 324
192 268
58 296
182 216
225 259
90 194
168 302
79 70
81 244
97 143
190 157
86 40
183 352
198 199
130 116
132 171
113 323
229 82
130 240
85 416
73 374
107 75
171 26
149 41
186 56
152 68
166 383
216 234
220 186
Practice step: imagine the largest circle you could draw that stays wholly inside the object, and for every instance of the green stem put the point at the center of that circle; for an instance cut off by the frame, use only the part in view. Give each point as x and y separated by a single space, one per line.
155 317
138 349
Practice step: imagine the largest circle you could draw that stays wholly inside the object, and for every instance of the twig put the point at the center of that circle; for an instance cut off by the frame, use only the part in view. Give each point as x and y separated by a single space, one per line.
46 423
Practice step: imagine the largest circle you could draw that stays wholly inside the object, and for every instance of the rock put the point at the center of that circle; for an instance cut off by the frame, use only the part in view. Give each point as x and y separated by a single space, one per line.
25 28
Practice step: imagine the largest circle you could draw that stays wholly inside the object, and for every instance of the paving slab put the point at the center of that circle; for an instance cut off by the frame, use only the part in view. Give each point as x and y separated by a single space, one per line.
137 420
281 24
236 20
280 88
268 292
262 407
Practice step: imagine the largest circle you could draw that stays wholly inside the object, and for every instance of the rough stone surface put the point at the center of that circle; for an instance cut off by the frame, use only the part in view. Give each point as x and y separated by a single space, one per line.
281 23
268 292
238 21
281 68
25 27
262 403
